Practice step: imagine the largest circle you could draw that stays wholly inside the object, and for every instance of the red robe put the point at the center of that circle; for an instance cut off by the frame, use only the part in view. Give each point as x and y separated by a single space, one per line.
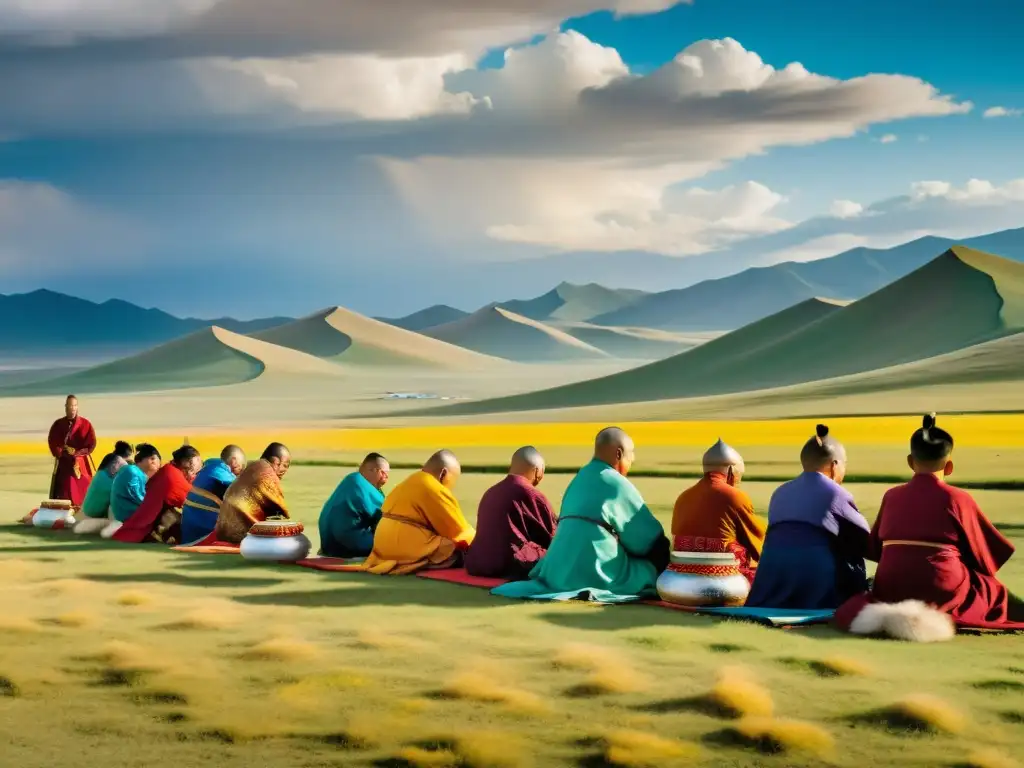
956 573
167 489
79 435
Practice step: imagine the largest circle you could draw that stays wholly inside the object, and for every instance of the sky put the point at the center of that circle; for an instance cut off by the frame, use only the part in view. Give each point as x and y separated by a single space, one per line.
264 157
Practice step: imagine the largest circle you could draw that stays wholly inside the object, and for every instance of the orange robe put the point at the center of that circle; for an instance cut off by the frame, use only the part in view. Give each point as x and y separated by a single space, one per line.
421 526
713 516
254 496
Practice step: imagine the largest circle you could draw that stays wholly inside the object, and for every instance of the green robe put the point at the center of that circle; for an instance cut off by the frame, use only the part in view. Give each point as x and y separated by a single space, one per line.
585 559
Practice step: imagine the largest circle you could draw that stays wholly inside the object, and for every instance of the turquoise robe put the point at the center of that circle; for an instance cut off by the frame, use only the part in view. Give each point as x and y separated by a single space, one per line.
585 559
349 518
127 492
97 498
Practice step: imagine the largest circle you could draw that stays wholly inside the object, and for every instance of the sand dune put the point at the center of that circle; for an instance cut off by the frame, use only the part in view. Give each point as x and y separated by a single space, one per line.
634 343
499 332
431 317
960 299
349 338
206 358
573 303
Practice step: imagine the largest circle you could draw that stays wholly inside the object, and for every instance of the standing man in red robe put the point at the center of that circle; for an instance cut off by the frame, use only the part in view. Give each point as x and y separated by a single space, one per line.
72 441
936 552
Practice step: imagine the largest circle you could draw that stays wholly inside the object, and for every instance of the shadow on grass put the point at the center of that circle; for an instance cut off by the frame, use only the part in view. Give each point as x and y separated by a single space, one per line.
694 705
366 590
179 579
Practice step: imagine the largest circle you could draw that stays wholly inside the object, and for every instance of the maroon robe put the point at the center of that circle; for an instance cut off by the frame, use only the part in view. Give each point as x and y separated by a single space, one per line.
514 527
78 435
934 544
166 490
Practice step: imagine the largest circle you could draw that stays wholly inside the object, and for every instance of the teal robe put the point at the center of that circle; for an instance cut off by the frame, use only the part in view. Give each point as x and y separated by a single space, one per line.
97 498
127 492
585 559
349 518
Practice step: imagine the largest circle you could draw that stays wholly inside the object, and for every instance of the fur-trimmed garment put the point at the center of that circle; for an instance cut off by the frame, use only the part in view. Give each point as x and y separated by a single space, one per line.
252 498
934 546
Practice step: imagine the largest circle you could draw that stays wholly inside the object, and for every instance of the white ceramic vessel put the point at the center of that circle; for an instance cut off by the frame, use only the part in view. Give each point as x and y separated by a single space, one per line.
703 579
54 515
277 541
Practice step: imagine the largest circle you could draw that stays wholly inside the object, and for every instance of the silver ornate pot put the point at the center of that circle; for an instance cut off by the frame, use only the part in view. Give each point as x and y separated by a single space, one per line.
54 514
703 579
276 540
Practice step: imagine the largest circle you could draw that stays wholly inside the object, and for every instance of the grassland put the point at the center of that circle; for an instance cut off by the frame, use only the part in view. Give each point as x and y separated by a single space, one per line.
126 654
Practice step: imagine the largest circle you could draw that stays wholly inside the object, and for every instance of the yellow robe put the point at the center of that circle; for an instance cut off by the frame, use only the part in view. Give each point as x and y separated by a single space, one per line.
254 496
421 526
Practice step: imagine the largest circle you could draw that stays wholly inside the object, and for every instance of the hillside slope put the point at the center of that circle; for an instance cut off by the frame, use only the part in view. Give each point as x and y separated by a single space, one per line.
632 343
572 302
346 337
958 300
438 314
501 333
207 358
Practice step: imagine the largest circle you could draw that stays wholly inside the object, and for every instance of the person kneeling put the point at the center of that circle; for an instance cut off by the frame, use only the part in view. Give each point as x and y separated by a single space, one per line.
422 525
813 555
95 510
934 547
158 518
129 487
350 517
199 515
254 496
515 522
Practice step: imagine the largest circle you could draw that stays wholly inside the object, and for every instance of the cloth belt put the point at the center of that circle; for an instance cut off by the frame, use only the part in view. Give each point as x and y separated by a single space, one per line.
911 543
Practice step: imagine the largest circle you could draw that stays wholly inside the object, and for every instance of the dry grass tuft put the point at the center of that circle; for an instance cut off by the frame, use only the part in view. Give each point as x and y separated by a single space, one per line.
282 649
476 686
638 749
382 641
923 712
53 587
309 692
8 688
15 570
492 749
134 598
589 658
19 625
610 673
739 696
771 736
203 619
843 666
74 620
989 758
417 757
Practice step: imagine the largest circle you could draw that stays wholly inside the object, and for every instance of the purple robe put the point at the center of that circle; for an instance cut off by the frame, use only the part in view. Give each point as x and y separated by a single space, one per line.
514 527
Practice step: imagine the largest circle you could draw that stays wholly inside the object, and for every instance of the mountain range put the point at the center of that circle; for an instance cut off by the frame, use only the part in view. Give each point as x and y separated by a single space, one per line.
45 324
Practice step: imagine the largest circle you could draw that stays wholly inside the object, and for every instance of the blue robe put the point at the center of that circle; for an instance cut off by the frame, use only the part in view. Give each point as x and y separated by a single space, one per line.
127 492
349 518
605 546
202 507
813 555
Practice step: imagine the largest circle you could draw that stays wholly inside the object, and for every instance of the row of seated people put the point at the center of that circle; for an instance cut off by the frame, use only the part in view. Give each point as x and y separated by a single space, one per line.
932 542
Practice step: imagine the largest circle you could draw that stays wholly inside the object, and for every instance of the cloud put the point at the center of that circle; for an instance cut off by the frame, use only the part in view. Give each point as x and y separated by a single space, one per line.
136 29
1002 112
40 225
845 209
889 138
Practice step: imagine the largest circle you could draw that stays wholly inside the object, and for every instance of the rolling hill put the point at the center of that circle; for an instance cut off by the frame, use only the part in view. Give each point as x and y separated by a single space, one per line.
207 358
761 291
632 343
46 323
439 314
573 303
352 339
497 331
960 299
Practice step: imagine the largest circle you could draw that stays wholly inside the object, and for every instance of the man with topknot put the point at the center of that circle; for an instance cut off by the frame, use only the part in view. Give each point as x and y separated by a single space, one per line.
813 556
936 553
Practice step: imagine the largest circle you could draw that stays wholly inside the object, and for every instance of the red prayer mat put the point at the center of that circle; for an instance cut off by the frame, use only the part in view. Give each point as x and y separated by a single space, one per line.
459 576
213 548
331 564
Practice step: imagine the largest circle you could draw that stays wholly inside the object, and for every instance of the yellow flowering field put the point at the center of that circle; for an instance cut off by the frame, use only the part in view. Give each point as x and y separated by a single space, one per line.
988 446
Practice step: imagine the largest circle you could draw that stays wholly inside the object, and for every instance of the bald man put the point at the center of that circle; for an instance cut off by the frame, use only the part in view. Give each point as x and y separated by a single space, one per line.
350 517
202 507
514 522
716 516
817 538
421 524
608 547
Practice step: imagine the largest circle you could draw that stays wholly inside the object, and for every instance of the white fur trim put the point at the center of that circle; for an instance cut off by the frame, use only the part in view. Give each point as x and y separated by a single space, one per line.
910 620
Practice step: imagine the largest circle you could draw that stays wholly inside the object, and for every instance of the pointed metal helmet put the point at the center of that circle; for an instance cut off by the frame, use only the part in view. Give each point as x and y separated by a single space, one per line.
721 455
